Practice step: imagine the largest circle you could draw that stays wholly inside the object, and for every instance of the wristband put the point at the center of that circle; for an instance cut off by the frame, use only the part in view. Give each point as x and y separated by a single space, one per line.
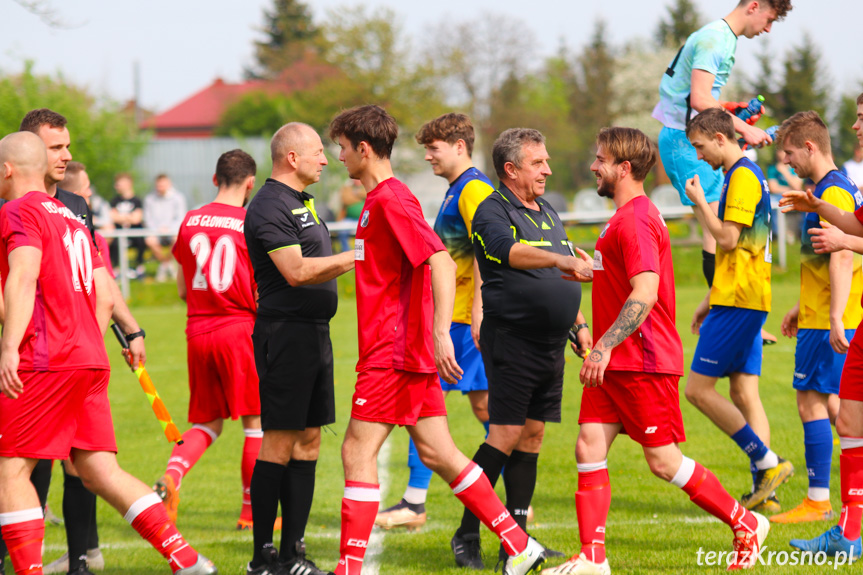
578 328
137 334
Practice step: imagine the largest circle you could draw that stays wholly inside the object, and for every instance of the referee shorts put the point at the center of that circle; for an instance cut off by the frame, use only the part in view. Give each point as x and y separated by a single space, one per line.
294 360
525 374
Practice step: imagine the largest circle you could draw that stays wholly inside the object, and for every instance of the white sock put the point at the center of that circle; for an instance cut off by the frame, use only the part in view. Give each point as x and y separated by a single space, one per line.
769 460
415 495
819 493
684 473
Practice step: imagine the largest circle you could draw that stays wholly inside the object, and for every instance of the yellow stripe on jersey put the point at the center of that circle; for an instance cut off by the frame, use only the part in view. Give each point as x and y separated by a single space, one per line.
815 277
472 195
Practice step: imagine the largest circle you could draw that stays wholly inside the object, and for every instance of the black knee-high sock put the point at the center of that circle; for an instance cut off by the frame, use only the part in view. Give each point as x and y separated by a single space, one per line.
492 461
519 478
265 488
298 489
708 266
78 505
41 479
93 533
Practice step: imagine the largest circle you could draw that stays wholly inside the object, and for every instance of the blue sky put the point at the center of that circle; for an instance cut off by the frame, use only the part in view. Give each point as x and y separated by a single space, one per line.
182 45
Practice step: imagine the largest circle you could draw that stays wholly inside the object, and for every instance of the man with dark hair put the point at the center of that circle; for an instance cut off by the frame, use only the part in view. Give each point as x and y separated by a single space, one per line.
217 285
78 502
291 253
827 313
54 375
448 141
405 293
844 234
631 376
127 213
521 248
738 302
692 84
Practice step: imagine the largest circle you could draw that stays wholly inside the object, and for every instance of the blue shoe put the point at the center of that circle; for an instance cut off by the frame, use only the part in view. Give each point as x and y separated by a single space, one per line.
831 543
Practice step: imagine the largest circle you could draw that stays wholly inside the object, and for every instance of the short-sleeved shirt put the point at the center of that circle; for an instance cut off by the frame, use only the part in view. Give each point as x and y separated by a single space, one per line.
102 248
78 207
535 301
837 189
211 249
635 241
743 274
394 297
127 206
63 333
711 49
280 217
453 226
854 171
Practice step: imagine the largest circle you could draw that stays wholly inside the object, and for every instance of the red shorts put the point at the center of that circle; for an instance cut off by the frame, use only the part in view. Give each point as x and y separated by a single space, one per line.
223 382
95 427
851 384
42 422
646 404
398 397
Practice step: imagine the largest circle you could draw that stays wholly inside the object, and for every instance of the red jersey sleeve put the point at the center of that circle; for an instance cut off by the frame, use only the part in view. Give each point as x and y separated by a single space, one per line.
102 248
416 238
21 226
639 240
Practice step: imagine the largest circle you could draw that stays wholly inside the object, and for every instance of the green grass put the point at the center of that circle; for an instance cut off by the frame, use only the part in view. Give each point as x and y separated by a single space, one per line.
652 528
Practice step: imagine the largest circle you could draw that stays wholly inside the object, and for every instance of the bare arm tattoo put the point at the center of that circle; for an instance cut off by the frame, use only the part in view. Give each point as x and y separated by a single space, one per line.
630 318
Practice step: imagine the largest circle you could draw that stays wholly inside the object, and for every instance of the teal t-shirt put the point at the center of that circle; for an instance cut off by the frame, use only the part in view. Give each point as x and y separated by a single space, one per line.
710 49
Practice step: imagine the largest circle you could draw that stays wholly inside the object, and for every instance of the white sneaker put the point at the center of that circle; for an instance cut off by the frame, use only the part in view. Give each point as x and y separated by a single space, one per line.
202 566
580 565
747 545
531 558
95 561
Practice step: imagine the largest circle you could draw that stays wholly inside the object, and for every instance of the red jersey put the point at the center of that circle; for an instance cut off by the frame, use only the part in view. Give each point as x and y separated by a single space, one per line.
63 333
102 248
220 285
635 240
394 296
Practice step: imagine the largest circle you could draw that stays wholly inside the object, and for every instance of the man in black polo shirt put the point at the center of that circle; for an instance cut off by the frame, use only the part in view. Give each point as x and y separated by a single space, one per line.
521 249
291 253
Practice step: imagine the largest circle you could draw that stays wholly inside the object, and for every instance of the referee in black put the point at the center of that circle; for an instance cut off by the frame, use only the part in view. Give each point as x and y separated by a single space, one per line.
291 253
521 249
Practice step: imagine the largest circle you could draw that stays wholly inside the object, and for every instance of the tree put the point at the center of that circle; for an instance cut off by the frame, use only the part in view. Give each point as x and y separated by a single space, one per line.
256 114
289 34
806 80
682 20
375 54
104 136
767 81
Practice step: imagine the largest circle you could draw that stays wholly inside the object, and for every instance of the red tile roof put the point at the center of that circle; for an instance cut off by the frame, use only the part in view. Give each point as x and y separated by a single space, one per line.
198 115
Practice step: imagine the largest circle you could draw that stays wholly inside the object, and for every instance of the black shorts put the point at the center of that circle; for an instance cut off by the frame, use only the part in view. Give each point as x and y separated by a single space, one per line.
525 374
294 361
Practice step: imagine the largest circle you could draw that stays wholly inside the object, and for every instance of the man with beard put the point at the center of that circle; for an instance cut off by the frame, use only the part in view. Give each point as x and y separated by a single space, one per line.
738 301
630 377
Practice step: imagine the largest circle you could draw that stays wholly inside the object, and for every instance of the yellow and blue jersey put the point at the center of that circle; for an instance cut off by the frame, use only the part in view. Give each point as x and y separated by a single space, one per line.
453 226
837 189
742 277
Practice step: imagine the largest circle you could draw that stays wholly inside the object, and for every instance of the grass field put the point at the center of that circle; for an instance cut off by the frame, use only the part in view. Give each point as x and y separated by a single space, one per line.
652 527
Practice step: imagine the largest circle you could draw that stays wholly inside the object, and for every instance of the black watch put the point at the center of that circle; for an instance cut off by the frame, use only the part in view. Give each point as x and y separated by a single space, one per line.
578 328
137 334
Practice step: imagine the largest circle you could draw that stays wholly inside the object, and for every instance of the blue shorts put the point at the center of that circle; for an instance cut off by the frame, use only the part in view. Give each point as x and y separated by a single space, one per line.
469 359
730 342
681 162
816 366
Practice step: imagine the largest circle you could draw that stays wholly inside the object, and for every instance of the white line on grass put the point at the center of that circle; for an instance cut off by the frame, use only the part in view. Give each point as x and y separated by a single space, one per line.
371 565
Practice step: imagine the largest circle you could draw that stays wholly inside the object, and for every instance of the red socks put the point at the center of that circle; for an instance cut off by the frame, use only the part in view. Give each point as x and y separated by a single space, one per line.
592 501
184 457
251 447
148 517
476 493
705 491
851 472
24 532
359 507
